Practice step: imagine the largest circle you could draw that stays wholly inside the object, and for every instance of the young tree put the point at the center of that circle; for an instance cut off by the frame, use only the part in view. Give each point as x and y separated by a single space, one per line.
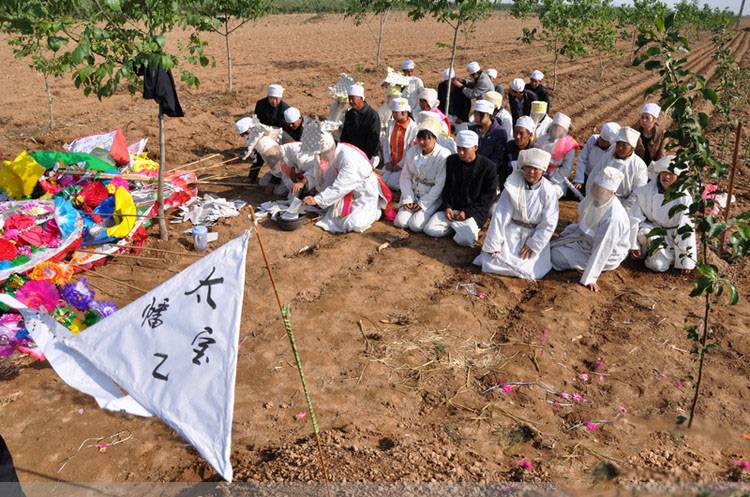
664 50
360 9
37 41
521 10
455 13
641 15
601 33
563 28
227 16
117 41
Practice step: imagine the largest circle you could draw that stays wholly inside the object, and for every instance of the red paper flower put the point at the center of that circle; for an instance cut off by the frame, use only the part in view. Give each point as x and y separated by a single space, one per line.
19 222
8 250
94 193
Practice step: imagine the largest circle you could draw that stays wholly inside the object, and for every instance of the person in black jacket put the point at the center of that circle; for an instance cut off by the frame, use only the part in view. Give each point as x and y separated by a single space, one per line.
9 486
541 91
270 111
361 123
492 138
470 187
522 134
460 104
520 99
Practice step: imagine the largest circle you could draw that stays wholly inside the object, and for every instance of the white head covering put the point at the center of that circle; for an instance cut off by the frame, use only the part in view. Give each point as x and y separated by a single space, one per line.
473 67
526 122
534 157
484 106
326 141
517 84
651 108
243 125
265 144
431 125
539 107
407 64
609 131
610 178
275 91
291 115
561 120
495 98
430 96
538 75
427 114
492 73
662 166
629 135
467 138
447 76
356 91
400 105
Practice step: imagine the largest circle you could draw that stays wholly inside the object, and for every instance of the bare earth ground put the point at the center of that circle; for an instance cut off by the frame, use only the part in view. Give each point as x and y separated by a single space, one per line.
402 399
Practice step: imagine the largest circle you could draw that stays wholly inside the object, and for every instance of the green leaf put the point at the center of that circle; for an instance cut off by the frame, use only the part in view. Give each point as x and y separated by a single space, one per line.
710 94
659 24
113 4
681 420
80 53
712 346
652 64
703 119
703 284
734 297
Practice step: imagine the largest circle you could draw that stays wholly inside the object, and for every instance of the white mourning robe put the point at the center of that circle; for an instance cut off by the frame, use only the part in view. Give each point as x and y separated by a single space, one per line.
391 178
505 120
649 212
353 174
634 170
563 168
422 181
604 251
525 215
411 92
541 128
588 159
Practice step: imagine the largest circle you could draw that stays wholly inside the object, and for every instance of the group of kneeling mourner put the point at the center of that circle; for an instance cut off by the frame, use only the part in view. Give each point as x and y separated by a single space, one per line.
512 167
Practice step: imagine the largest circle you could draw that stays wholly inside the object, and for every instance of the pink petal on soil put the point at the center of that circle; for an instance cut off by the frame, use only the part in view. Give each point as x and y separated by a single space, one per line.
599 364
742 464
623 409
545 332
591 426
584 377
507 388
525 464
601 378
542 339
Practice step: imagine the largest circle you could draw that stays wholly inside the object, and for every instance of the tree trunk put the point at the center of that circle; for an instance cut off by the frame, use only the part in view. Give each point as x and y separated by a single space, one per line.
160 185
229 52
601 65
520 40
703 346
383 19
632 44
450 69
554 74
49 101
739 16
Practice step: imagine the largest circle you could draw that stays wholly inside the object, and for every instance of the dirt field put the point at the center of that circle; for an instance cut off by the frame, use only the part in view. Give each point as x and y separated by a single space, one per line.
405 396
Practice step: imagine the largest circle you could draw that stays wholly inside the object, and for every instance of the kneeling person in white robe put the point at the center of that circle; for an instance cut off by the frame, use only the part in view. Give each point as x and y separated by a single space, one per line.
600 240
422 178
651 211
354 198
274 180
523 223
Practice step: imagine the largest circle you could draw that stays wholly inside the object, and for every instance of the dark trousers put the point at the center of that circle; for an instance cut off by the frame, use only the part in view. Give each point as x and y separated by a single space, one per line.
9 486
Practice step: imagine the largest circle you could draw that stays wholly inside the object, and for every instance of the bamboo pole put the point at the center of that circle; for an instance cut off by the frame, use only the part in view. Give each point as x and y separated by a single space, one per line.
732 173
130 177
114 280
118 255
224 183
206 168
288 327
189 254
163 233
194 162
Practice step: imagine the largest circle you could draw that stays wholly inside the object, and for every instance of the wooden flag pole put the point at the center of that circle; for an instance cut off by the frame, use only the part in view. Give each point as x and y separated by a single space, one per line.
160 186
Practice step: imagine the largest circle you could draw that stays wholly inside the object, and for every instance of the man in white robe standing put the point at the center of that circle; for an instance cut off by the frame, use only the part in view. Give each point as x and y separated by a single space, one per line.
591 155
399 136
623 158
517 242
650 211
355 199
600 240
422 178
411 92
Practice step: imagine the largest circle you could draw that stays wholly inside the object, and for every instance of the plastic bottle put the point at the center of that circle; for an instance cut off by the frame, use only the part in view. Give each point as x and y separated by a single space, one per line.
200 238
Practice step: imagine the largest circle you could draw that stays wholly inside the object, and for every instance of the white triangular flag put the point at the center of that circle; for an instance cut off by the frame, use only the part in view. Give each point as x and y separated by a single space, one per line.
174 350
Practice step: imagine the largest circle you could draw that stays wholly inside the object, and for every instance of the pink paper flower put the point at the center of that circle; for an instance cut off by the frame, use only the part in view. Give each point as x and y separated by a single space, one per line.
601 378
507 388
599 364
523 331
577 398
525 464
623 409
557 404
545 332
584 377
678 384
39 293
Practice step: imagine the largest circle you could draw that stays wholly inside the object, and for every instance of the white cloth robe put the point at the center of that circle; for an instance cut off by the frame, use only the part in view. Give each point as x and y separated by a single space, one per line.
299 162
411 92
588 159
506 122
505 238
423 177
355 175
604 251
648 212
634 170
391 178
542 127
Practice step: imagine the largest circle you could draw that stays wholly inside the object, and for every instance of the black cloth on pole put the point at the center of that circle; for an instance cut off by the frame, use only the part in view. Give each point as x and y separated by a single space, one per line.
158 85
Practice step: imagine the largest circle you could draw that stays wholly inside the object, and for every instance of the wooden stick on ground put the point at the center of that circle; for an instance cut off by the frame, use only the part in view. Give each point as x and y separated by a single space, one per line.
114 280
189 254
288 327
205 168
119 255
194 162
